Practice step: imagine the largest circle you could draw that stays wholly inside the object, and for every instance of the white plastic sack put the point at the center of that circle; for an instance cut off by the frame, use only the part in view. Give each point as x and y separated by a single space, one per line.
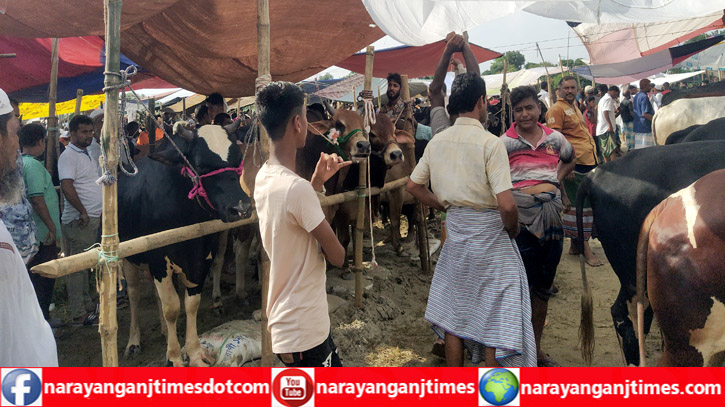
233 343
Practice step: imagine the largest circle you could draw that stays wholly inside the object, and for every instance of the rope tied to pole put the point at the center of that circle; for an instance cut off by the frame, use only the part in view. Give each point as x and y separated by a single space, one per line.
124 151
373 261
366 96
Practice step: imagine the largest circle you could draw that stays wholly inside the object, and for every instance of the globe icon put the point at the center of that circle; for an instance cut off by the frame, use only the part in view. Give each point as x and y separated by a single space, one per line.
498 387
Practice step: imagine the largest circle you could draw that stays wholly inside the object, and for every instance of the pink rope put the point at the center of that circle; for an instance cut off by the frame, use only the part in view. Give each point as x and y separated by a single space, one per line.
198 189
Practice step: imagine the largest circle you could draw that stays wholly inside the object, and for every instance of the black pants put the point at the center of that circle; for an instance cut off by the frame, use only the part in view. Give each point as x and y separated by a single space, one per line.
322 355
43 286
540 261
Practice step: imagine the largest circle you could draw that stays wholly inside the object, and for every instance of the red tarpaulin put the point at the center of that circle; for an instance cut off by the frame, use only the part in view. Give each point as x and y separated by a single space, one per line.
415 62
208 45
80 66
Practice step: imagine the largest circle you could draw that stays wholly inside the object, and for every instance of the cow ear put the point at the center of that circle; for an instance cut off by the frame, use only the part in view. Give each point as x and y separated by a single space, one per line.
182 129
403 137
321 127
168 155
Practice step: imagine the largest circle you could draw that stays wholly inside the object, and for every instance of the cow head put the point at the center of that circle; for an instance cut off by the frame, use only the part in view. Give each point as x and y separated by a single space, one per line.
347 126
209 149
385 140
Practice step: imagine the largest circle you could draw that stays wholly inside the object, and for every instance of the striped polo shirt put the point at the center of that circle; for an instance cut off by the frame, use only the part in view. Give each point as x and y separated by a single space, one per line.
532 165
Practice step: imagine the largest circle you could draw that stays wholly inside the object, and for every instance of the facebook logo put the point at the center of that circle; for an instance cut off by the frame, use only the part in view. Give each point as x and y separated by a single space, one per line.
22 387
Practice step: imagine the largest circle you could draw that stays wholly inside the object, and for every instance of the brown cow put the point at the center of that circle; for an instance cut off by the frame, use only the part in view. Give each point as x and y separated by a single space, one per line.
386 155
399 197
681 251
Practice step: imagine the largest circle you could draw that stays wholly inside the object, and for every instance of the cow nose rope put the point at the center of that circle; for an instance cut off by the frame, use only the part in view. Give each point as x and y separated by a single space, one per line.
198 189
124 151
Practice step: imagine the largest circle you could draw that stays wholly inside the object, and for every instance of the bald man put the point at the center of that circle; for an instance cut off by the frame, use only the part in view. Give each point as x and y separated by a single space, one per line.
643 112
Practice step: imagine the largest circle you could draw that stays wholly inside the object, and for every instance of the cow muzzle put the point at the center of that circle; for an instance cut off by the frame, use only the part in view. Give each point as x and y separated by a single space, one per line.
362 148
243 209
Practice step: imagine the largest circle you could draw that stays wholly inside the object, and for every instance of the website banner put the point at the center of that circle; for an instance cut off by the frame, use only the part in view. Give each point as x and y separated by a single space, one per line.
343 387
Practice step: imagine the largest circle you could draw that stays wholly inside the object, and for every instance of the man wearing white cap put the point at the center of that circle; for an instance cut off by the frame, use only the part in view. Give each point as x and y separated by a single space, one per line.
25 338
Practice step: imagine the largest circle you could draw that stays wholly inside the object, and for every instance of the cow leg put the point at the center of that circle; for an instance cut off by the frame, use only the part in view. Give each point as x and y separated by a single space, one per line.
396 207
216 272
193 346
171 306
625 328
131 274
242 246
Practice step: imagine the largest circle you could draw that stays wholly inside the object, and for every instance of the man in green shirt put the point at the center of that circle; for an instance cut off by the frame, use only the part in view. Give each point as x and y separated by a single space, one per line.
46 211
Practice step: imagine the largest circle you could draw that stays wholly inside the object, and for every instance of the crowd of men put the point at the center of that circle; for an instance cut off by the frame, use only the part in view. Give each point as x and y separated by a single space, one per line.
508 209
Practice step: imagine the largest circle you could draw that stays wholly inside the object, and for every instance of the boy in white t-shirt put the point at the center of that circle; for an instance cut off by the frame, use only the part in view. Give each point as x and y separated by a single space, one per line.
295 234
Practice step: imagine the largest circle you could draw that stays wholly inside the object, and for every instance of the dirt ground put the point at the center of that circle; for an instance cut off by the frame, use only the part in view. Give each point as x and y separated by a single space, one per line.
390 330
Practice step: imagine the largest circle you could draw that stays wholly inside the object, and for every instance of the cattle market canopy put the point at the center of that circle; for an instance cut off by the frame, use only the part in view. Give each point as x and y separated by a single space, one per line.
81 62
612 43
419 22
415 62
643 67
712 59
208 45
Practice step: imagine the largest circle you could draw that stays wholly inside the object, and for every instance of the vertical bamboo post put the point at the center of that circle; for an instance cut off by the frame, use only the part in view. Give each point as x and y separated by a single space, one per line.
51 145
183 108
362 188
422 232
548 78
504 98
108 327
263 74
354 101
151 125
379 105
79 101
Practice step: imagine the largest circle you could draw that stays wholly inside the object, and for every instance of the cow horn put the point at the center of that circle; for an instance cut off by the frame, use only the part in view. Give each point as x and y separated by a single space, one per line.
329 107
231 128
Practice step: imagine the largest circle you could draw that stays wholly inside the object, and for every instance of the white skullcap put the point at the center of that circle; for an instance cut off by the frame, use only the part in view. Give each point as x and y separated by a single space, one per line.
5 106
96 113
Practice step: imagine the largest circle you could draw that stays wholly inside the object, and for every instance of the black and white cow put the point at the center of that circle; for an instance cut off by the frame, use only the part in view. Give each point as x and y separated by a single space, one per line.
622 193
157 199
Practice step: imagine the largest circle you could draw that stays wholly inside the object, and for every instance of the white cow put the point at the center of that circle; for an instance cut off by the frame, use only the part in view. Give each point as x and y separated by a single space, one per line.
683 113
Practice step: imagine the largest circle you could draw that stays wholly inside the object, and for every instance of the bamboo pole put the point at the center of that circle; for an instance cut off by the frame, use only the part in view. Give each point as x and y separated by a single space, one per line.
504 97
151 125
79 101
354 101
264 74
419 218
548 78
51 145
71 264
361 187
379 105
183 108
108 327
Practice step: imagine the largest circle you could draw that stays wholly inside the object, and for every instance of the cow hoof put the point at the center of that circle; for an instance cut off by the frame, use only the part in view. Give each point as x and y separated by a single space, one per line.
179 363
132 351
198 363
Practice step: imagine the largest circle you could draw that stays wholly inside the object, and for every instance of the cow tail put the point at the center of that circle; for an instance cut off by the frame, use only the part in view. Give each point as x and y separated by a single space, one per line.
642 248
586 326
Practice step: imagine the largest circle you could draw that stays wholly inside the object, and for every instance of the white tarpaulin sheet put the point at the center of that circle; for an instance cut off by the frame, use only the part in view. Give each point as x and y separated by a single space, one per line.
343 91
514 79
611 43
675 77
419 22
713 59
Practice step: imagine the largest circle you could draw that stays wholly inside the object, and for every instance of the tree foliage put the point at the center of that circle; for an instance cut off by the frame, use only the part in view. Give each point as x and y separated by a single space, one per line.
515 61
325 76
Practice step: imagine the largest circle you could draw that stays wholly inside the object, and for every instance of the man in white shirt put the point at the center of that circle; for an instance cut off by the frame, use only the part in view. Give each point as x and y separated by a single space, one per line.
544 94
81 217
295 234
607 133
25 338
